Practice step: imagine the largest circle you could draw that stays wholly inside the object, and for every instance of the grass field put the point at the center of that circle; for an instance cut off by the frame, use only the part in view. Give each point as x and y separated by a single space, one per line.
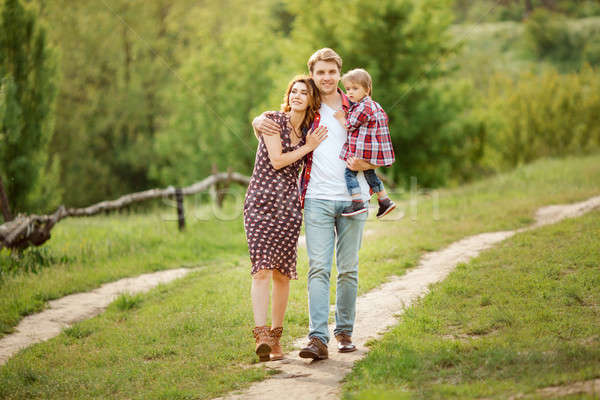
84 253
191 338
522 316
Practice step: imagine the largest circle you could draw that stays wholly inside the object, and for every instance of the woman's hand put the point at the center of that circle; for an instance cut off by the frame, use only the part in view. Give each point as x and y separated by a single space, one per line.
316 136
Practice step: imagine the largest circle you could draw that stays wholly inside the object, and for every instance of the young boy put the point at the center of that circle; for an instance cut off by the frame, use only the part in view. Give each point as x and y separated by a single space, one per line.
368 139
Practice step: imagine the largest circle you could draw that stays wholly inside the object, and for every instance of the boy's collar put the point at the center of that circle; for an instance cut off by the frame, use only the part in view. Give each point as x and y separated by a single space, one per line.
346 103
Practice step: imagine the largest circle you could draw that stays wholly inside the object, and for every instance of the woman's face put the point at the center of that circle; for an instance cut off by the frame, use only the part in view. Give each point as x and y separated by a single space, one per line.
299 96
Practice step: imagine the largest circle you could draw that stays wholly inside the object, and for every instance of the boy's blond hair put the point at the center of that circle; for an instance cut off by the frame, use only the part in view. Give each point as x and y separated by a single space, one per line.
360 77
324 54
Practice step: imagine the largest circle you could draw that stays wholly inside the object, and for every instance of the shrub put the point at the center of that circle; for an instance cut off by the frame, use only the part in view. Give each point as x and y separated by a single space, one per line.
540 116
548 35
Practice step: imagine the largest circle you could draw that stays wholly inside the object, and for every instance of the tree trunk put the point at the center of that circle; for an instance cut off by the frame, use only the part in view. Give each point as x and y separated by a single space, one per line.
549 4
528 8
4 203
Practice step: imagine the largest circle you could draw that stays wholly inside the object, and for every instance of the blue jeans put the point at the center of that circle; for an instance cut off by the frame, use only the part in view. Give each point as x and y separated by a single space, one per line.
325 228
352 183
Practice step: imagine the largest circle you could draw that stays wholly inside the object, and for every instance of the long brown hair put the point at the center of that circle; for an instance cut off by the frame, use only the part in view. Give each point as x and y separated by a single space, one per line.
314 100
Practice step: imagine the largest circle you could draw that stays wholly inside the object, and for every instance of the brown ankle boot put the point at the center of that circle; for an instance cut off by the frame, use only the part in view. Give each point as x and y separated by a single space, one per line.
276 352
263 342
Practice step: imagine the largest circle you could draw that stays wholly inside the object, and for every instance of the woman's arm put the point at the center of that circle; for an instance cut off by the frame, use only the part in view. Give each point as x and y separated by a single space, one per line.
280 159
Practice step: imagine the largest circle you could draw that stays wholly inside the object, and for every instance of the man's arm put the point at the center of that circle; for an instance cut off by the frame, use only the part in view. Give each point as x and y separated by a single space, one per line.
356 164
265 126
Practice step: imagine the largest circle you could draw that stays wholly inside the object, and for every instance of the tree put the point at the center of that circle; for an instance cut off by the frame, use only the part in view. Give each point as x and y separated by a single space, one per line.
28 92
224 84
404 45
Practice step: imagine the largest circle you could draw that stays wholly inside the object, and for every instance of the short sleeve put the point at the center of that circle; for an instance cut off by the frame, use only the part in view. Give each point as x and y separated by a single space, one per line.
276 116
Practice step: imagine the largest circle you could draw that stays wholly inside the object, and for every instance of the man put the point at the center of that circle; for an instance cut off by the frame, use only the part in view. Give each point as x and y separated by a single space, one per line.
325 196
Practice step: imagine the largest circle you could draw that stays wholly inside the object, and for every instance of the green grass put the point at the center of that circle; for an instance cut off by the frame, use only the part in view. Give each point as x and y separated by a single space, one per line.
522 316
191 338
84 253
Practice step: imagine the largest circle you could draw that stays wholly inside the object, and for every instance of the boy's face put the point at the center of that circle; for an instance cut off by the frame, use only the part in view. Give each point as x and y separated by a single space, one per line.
354 91
326 76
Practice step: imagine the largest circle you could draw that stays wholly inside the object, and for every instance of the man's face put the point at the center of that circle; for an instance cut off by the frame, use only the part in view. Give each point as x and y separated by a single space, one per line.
326 76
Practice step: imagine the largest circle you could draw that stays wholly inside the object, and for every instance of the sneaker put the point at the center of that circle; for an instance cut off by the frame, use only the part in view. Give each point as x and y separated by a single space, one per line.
385 207
357 207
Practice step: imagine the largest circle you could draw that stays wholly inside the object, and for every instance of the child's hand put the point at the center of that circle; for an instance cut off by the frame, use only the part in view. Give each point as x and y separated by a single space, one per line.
340 115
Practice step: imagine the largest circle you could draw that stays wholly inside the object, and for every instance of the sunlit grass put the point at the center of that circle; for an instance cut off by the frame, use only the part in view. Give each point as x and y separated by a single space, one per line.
520 317
191 338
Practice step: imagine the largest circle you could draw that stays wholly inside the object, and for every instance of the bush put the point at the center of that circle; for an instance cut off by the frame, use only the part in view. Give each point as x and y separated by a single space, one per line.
541 116
549 37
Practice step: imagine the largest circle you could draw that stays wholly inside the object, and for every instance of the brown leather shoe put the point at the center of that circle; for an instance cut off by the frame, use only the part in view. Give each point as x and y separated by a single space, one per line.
263 342
276 352
345 343
315 349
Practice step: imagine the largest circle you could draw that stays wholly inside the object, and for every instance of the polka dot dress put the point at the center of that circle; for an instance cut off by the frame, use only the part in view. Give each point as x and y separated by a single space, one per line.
272 214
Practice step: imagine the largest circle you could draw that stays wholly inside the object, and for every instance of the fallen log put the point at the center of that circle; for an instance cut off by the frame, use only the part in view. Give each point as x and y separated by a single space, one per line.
26 230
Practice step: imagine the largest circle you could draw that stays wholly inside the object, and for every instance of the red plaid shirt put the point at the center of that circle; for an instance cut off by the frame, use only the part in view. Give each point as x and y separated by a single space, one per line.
368 134
305 176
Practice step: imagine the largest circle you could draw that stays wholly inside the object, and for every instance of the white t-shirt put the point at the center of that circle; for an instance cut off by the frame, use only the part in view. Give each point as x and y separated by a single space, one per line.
327 173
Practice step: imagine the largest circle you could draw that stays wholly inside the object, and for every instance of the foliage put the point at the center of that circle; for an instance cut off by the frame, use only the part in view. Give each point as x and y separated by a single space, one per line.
540 116
518 10
403 45
404 48
222 87
549 37
27 95
148 96
110 106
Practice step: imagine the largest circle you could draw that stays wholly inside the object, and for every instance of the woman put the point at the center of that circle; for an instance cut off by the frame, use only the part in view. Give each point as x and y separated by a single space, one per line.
272 215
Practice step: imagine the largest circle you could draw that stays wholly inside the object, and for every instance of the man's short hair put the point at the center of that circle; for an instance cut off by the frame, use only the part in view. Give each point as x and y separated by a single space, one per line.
325 54
360 77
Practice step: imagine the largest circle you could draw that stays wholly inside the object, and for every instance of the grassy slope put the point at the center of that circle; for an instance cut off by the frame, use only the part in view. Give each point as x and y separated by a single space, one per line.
522 316
102 249
191 338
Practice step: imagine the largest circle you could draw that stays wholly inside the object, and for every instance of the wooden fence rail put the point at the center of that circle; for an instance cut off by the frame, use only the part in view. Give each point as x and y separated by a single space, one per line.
26 230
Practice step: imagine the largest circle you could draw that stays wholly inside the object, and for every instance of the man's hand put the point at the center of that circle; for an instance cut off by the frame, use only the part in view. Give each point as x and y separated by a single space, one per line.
265 126
357 164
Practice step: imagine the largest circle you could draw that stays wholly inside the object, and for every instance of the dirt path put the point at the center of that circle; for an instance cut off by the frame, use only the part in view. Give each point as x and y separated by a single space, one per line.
71 309
68 310
378 310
